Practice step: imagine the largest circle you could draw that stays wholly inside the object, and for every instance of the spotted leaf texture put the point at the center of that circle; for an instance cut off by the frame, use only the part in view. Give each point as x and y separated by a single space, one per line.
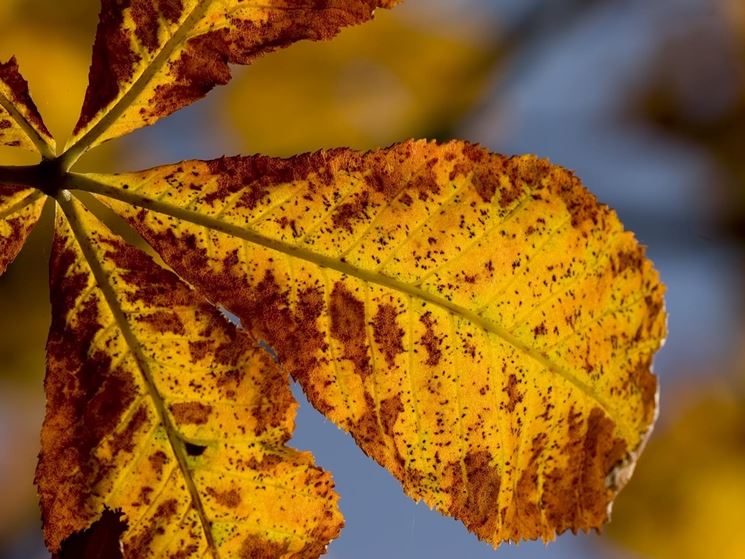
161 411
481 325
151 58
20 122
20 209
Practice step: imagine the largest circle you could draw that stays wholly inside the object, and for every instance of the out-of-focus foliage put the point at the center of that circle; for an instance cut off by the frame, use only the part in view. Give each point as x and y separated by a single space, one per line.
696 92
372 86
686 498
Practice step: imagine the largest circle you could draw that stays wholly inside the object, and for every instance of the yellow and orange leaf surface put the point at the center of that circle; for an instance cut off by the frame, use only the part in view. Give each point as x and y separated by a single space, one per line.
20 122
153 58
20 209
160 409
480 324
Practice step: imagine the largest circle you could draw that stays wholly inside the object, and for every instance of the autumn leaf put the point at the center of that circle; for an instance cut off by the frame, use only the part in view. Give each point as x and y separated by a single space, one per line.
158 408
153 58
20 122
20 209
481 325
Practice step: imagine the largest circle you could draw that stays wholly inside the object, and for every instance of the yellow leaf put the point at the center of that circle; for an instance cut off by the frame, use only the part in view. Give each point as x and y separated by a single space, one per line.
20 122
160 409
481 325
150 60
20 209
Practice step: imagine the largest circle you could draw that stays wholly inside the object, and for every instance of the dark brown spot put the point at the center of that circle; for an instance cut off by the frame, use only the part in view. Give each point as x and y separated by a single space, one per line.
256 547
540 330
229 499
346 214
348 326
199 350
390 409
157 461
430 341
388 335
629 259
191 413
164 322
475 499
513 393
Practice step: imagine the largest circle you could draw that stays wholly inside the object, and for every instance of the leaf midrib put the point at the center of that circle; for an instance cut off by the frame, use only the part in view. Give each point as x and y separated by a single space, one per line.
102 279
31 133
74 151
87 184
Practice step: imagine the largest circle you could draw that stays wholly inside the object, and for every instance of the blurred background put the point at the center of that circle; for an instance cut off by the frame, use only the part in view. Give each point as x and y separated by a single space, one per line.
645 100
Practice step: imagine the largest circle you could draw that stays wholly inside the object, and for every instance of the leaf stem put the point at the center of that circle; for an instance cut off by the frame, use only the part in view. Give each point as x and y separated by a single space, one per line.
46 176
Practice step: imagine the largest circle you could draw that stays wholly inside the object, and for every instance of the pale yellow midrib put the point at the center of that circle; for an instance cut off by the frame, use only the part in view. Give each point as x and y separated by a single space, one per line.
109 293
32 134
74 150
82 182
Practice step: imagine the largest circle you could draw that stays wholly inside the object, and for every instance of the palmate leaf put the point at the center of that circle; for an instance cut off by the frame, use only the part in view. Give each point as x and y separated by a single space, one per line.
481 325
161 410
152 58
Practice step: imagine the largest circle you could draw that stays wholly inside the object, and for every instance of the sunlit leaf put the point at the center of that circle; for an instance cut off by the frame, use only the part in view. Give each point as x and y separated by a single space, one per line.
480 324
20 121
160 409
153 58
20 209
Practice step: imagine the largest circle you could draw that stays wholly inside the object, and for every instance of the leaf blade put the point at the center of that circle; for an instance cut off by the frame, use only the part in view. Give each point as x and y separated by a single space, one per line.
151 60
392 284
20 122
163 410
20 209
